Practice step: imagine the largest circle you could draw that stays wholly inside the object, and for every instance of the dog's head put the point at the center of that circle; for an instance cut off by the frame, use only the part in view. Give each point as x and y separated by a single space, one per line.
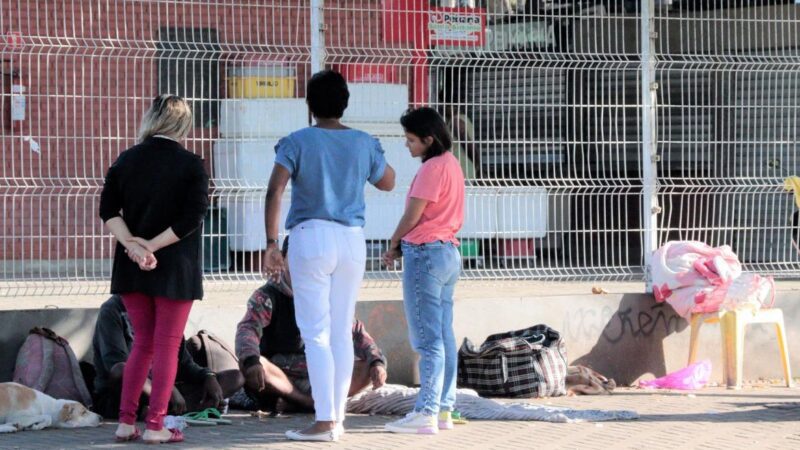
74 415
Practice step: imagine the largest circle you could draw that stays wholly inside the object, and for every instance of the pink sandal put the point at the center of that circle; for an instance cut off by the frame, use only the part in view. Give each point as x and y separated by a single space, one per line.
174 437
131 437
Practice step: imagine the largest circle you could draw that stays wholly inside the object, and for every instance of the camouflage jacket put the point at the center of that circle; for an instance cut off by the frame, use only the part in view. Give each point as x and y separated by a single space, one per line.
251 329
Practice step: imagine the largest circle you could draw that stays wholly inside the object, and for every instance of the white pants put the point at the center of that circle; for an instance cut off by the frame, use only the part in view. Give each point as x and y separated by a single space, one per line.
326 263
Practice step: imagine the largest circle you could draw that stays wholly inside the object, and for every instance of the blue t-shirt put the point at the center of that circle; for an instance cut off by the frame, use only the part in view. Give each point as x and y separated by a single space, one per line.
329 169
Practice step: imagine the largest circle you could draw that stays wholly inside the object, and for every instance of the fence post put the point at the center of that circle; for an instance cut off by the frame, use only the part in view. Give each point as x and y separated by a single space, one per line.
650 208
317 35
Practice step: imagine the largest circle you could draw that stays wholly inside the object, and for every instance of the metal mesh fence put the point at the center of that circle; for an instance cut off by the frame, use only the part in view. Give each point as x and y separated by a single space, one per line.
586 139
727 127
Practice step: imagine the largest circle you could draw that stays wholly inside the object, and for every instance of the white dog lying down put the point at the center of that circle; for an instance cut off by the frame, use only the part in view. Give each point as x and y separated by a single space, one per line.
22 408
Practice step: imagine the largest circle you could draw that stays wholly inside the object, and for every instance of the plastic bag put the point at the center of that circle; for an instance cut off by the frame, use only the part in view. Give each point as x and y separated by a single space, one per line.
691 377
175 423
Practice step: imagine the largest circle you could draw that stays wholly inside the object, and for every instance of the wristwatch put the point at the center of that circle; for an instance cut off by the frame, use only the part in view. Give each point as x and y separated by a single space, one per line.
272 241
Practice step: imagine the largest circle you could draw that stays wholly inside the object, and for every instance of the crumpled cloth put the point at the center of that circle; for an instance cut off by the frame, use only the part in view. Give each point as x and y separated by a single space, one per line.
696 278
793 184
582 380
175 423
393 399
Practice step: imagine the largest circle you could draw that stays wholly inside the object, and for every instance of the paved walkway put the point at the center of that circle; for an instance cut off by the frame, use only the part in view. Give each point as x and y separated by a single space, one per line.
755 417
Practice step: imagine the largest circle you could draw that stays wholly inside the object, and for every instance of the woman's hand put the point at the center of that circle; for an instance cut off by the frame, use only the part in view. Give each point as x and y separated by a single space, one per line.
148 245
390 256
141 256
274 264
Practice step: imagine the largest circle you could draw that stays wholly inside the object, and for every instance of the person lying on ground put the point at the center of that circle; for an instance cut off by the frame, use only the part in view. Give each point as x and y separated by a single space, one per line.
195 389
271 351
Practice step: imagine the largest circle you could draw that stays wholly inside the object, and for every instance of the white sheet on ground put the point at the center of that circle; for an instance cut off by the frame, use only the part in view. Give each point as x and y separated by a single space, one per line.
393 399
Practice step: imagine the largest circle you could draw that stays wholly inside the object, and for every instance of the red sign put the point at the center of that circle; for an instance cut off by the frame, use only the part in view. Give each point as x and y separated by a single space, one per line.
13 40
404 22
463 27
414 24
369 73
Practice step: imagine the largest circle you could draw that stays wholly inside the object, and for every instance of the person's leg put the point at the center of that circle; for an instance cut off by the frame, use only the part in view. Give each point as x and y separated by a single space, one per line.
193 396
279 384
141 311
360 379
171 316
448 400
422 302
312 259
345 283
116 375
106 403
230 381
423 311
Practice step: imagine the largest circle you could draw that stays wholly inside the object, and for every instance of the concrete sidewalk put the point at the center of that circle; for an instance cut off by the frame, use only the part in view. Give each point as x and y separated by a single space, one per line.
755 417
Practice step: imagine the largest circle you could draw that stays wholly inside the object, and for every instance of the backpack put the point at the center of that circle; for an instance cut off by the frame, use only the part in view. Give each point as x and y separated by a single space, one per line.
46 362
209 351
524 363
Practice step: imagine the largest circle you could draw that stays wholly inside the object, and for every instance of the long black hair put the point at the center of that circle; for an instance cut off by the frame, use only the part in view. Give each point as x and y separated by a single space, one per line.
426 122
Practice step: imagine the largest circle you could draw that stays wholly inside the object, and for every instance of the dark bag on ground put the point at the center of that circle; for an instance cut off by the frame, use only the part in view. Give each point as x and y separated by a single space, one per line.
210 351
525 363
46 362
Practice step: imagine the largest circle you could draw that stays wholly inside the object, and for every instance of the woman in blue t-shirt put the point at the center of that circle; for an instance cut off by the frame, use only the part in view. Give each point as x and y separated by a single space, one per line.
329 164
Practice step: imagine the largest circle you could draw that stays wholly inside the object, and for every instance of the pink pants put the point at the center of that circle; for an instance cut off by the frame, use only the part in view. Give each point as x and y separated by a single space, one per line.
158 325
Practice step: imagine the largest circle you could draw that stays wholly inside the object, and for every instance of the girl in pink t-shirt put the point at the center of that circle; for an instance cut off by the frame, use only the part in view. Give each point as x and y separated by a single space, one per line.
426 239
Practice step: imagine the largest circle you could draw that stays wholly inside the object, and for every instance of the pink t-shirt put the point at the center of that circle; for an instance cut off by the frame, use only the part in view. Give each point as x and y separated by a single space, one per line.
440 181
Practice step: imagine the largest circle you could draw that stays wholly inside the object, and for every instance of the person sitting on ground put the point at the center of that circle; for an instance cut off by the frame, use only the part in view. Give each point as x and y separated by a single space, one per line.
196 388
271 351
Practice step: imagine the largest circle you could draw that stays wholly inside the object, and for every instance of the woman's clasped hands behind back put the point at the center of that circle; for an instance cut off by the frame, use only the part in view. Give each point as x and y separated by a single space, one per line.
138 250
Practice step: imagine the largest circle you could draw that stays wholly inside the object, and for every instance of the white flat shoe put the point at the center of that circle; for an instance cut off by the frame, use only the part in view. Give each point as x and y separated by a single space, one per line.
325 436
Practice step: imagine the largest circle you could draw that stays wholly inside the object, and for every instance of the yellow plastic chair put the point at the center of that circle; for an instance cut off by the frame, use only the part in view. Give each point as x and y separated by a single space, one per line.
732 329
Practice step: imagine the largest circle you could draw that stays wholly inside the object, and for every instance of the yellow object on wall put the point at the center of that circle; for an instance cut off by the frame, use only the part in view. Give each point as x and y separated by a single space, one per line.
261 82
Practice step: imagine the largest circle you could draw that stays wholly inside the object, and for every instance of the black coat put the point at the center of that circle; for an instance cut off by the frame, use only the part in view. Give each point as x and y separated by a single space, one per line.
156 185
113 340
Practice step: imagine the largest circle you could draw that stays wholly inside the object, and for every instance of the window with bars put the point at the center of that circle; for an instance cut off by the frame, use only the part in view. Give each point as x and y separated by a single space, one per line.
188 65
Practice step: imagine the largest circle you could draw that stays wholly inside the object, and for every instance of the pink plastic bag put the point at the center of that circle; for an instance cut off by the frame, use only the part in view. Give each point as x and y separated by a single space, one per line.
691 377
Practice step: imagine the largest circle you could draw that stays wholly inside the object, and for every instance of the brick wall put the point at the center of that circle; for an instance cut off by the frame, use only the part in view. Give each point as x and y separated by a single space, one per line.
90 69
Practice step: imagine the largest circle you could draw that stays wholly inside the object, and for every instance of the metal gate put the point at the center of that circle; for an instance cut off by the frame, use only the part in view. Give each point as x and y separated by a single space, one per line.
592 131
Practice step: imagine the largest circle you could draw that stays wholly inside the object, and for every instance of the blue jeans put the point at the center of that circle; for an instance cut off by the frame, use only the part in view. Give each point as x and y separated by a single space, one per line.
430 272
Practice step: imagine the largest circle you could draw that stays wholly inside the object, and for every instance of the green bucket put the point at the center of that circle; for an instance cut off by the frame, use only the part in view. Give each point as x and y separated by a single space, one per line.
470 248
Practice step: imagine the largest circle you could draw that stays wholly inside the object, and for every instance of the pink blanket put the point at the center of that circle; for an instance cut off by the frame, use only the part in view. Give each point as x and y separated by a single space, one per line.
696 278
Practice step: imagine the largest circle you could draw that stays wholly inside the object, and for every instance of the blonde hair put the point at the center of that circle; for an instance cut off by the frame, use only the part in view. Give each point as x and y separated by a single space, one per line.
169 115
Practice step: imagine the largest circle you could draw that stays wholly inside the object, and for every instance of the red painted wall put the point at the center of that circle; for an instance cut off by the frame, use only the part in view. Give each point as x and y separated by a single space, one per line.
90 72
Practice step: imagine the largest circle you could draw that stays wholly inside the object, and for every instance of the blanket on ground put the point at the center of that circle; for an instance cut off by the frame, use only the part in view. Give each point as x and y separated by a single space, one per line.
392 399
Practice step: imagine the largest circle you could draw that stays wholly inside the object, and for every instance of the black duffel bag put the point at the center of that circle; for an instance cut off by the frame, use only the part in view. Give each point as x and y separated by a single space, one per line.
523 363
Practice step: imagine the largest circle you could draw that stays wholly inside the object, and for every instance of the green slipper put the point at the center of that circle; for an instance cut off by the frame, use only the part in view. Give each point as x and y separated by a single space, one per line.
206 417
199 418
214 415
